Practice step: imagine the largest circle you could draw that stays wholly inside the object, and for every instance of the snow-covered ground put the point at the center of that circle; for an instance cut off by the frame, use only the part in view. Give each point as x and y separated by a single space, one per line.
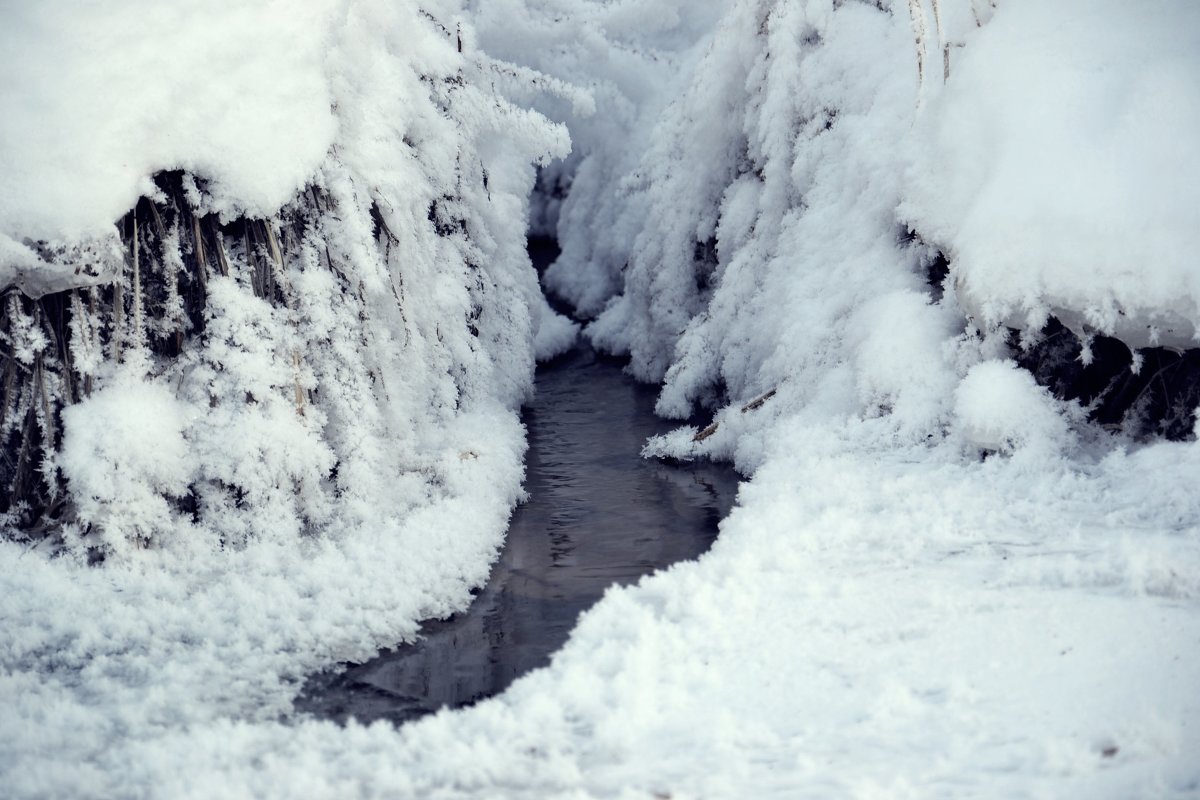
941 581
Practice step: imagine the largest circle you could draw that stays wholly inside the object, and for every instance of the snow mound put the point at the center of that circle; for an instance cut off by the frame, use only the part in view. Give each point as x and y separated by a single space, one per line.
555 334
124 454
999 407
1057 169
99 98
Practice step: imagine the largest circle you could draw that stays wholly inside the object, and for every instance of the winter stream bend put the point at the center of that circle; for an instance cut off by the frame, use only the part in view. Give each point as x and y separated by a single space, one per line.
597 514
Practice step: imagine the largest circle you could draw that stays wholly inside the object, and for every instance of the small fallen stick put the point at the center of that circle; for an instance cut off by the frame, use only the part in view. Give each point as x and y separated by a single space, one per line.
757 403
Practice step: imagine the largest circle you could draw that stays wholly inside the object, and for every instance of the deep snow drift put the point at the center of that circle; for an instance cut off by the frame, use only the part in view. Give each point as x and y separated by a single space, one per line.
941 580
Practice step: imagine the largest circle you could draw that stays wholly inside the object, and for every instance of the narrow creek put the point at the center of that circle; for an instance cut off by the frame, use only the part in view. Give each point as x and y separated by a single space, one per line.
597 514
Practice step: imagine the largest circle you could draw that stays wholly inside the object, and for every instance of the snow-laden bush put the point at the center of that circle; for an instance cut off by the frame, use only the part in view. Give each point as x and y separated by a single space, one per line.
279 395
760 238
792 182
325 268
632 58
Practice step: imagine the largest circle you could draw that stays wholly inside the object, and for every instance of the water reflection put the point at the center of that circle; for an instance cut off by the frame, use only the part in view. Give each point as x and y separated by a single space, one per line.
598 514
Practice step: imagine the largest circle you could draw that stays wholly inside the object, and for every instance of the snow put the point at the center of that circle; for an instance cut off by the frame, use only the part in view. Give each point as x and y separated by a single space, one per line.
940 581
325 463
101 664
999 407
631 58
1052 181
235 92
555 334
122 489
942 638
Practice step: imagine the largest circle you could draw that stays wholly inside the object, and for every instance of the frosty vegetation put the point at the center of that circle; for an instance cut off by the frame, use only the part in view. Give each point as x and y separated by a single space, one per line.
282 387
929 265
277 333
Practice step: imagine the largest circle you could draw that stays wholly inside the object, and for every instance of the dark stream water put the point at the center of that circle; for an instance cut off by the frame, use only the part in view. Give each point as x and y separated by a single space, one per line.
597 514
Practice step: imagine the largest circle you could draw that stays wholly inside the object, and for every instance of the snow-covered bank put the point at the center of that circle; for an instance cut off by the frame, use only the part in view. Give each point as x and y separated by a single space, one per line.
899 630
279 397
943 581
303 321
101 663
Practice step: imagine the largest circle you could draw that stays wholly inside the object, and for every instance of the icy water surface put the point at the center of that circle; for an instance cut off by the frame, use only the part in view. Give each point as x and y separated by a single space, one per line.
598 514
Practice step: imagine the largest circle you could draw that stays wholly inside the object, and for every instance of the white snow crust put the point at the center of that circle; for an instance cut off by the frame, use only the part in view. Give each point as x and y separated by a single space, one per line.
940 580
